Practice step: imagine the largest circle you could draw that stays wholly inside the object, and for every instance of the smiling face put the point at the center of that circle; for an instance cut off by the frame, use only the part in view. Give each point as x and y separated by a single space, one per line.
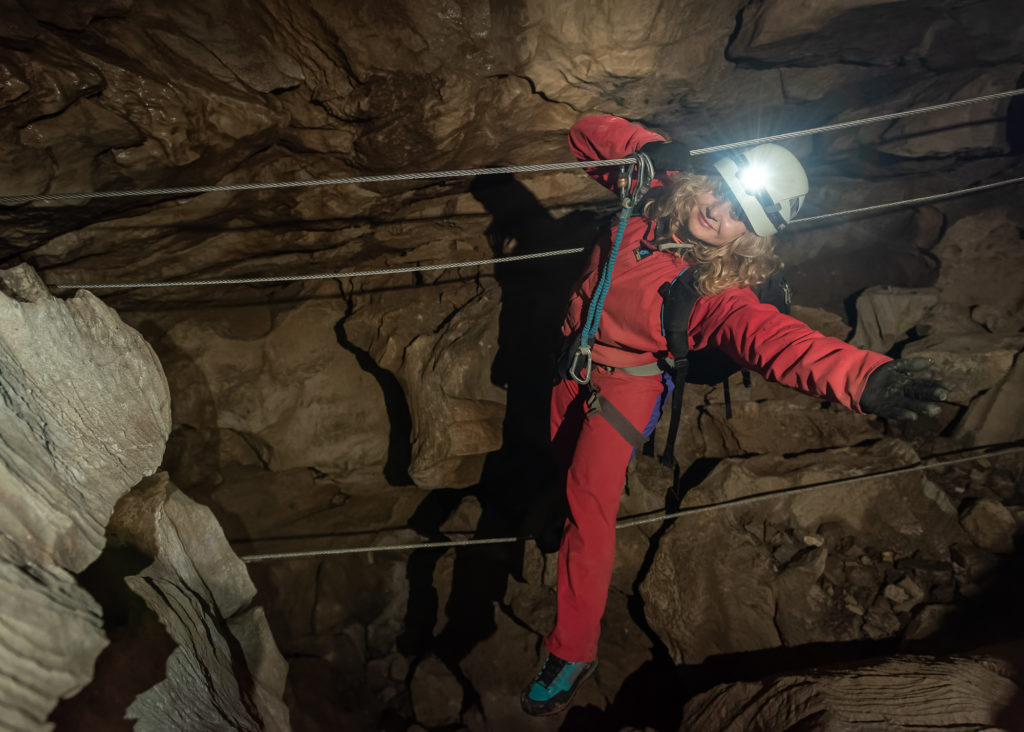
714 221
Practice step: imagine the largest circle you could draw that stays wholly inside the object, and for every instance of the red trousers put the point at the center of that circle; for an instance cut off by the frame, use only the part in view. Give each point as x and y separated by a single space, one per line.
597 457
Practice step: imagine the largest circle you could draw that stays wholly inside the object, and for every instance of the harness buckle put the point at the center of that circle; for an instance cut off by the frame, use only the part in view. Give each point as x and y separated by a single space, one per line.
580 373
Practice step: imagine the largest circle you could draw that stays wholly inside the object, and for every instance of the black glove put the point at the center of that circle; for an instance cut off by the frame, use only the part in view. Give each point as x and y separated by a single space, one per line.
899 390
668 155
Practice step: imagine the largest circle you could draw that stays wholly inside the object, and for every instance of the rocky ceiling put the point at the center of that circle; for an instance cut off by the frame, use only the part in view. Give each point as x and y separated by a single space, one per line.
302 412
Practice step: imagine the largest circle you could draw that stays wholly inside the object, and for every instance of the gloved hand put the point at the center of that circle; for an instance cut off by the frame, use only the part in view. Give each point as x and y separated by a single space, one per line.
899 390
668 155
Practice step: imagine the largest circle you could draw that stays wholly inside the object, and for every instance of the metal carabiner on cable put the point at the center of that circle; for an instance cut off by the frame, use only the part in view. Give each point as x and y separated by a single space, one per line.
635 180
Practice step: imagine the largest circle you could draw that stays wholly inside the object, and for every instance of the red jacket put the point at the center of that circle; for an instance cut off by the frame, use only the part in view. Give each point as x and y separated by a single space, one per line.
754 334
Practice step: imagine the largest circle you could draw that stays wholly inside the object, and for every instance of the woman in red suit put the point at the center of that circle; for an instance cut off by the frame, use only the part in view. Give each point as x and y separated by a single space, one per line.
720 223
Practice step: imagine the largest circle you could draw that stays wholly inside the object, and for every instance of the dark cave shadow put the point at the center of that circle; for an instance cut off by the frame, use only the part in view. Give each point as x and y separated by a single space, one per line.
519 492
989 623
399 453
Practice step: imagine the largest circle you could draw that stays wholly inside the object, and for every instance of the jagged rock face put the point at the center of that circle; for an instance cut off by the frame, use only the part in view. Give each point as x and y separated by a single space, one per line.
303 410
85 415
130 95
226 671
699 601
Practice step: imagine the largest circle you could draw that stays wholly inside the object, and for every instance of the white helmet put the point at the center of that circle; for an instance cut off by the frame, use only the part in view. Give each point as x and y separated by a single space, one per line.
769 184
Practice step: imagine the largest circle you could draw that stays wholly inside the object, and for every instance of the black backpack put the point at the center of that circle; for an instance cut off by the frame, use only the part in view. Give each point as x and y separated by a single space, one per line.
706 365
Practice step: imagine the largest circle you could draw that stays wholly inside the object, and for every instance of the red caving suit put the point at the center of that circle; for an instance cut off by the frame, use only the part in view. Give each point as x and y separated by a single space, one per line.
754 334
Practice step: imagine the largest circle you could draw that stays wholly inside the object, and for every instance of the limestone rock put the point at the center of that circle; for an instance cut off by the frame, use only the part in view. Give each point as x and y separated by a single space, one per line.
797 424
697 604
995 416
54 631
456 410
979 254
974 127
970 363
990 525
801 603
226 671
885 315
84 416
284 383
960 692
436 694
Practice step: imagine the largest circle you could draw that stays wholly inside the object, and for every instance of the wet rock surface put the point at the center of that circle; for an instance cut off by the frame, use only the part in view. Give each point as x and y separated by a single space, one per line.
395 409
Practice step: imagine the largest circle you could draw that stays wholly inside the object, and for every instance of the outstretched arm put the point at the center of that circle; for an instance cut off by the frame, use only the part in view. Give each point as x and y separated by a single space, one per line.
785 350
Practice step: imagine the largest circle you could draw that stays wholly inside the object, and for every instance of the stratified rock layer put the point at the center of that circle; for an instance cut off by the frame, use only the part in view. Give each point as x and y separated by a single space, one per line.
912 692
226 672
84 416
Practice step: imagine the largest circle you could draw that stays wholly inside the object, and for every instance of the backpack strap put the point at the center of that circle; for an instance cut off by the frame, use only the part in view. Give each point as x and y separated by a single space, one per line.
679 298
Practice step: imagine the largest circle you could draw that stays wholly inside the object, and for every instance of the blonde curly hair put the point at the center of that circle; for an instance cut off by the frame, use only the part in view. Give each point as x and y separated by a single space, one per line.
744 262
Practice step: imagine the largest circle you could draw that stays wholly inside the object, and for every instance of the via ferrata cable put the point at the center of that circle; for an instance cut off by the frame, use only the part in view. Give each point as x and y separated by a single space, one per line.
658 517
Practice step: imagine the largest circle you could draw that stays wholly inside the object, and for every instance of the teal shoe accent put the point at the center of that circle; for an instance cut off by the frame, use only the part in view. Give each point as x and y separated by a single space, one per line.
553 688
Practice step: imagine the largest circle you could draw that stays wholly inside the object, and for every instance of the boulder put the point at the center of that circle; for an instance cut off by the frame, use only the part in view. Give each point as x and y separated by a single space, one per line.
994 417
990 525
695 600
436 694
437 357
979 254
886 315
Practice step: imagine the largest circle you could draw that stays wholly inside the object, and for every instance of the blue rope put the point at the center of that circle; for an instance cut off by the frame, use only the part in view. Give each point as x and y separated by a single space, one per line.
641 173
604 284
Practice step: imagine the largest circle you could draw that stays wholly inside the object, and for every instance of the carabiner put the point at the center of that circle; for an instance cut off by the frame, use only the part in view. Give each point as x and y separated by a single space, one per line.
639 172
575 371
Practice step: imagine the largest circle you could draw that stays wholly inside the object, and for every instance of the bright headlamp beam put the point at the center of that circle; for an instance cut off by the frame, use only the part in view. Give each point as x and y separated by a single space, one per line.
753 178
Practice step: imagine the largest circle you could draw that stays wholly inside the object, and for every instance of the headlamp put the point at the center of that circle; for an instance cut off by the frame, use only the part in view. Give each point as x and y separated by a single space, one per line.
753 177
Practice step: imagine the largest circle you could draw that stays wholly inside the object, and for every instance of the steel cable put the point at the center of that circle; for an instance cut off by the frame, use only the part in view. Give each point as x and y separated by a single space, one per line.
329 275
252 558
496 260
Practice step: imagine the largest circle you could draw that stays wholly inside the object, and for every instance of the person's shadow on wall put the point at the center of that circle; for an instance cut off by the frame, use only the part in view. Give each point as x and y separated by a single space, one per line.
520 493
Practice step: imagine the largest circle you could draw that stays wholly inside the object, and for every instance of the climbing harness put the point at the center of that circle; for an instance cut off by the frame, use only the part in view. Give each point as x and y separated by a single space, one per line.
471 172
634 182
656 518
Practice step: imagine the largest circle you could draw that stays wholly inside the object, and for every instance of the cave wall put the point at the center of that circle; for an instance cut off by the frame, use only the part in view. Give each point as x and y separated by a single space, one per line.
304 409
123 95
